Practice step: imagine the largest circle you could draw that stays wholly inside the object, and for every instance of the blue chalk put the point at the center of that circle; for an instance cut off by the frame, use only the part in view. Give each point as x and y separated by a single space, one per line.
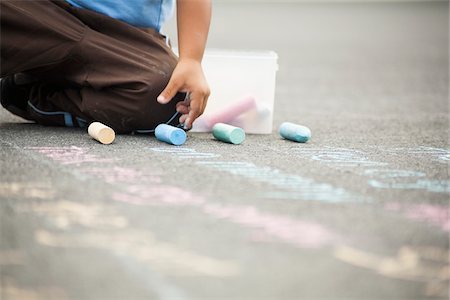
170 134
294 132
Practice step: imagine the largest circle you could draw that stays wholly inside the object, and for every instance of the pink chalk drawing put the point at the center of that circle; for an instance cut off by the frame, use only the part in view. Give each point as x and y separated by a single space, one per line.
71 155
265 227
433 214
116 174
301 234
157 195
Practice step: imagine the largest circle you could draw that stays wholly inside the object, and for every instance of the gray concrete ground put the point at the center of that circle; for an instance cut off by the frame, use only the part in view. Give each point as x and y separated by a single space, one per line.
359 212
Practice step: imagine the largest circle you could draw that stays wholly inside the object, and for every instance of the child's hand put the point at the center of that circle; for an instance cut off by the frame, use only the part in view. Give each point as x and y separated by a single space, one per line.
193 18
187 77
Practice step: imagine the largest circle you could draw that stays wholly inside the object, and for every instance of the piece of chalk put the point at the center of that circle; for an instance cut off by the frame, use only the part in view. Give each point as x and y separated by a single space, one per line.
231 111
101 133
229 134
263 111
170 134
295 132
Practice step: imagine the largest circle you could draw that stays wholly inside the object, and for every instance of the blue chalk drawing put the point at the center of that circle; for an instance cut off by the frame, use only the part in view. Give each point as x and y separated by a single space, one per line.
435 186
340 157
292 186
405 179
185 152
383 178
437 154
390 173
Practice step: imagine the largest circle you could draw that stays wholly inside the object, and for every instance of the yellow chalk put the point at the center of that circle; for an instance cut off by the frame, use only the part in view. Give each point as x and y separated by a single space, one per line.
101 133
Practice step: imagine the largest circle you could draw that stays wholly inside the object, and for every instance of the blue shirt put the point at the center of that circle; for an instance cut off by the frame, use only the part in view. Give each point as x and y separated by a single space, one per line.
140 13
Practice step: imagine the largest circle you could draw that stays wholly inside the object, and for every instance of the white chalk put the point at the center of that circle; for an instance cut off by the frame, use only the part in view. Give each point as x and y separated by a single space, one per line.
101 133
263 111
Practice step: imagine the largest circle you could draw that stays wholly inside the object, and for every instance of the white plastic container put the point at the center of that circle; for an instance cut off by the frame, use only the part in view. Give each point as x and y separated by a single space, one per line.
234 76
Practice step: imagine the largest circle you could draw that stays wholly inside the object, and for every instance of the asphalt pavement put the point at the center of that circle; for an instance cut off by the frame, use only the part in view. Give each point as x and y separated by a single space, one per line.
361 211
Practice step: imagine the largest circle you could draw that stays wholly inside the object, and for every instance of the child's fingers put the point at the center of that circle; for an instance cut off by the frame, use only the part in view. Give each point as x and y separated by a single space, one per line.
169 92
187 99
183 118
196 109
182 108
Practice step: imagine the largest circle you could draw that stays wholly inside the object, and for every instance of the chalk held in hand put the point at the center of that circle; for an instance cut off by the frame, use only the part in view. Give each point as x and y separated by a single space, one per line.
170 134
295 132
101 133
229 134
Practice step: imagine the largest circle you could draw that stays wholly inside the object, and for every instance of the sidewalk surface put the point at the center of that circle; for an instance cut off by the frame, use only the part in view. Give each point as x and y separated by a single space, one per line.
359 212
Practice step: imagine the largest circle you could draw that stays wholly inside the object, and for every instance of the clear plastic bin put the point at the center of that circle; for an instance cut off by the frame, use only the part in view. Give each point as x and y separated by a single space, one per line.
242 90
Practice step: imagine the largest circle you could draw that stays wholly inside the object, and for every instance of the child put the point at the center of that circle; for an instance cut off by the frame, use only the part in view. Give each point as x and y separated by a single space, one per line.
71 62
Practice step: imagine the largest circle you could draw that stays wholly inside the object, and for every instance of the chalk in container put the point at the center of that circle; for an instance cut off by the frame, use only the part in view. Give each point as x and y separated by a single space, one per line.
231 112
295 132
101 133
229 134
170 134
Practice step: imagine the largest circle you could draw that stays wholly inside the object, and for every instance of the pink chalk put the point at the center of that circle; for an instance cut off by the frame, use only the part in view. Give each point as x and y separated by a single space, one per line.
231 112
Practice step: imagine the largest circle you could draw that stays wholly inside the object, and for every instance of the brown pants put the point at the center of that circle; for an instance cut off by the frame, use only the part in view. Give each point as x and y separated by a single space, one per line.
89 67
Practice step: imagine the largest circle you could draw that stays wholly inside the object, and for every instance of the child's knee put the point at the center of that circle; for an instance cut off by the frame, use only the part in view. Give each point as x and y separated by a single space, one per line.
149 112
137 108
132 105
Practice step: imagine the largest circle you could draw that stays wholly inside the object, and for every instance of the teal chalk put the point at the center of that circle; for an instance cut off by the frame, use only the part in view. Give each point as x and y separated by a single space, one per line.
229 134
295 132
170 134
